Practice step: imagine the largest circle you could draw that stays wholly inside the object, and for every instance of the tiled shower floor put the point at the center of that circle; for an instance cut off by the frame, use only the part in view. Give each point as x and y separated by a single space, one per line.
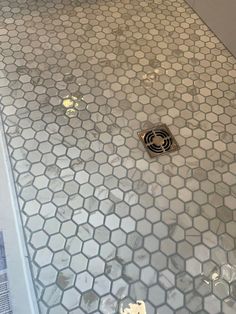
105 224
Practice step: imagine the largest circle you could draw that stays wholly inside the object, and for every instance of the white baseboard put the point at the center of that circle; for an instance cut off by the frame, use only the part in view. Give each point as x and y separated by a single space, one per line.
21 287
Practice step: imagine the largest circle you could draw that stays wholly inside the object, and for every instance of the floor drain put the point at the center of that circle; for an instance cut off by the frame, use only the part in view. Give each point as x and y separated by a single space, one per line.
158 140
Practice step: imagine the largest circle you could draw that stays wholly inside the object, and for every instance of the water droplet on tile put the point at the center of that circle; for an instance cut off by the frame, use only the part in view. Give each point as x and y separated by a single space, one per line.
80 104
76 96
215 276
68 103
71 113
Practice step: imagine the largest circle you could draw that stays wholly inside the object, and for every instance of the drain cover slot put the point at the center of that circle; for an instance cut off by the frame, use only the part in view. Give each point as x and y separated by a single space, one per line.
158 140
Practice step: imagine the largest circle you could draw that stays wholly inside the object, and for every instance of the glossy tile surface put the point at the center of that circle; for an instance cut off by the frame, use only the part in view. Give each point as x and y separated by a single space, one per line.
105 224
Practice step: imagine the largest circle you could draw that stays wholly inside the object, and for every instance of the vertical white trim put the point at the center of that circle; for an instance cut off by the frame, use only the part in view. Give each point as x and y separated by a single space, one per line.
20 281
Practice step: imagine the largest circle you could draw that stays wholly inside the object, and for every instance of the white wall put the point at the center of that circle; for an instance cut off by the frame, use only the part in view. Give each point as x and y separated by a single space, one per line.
220 16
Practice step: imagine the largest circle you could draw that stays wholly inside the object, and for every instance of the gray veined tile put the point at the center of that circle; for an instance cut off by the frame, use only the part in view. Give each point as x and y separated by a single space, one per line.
71 299
102 285
212 304
184 282
203 285
175 298
131 272
221 289
138 291
52 295
78 263
84 281
113 269
193 267
124 254
120 288
156 295
89 302
194 302
66 278
108 304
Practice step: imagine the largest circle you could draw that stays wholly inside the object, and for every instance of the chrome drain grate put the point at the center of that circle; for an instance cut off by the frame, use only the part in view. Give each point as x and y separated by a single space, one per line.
158 140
